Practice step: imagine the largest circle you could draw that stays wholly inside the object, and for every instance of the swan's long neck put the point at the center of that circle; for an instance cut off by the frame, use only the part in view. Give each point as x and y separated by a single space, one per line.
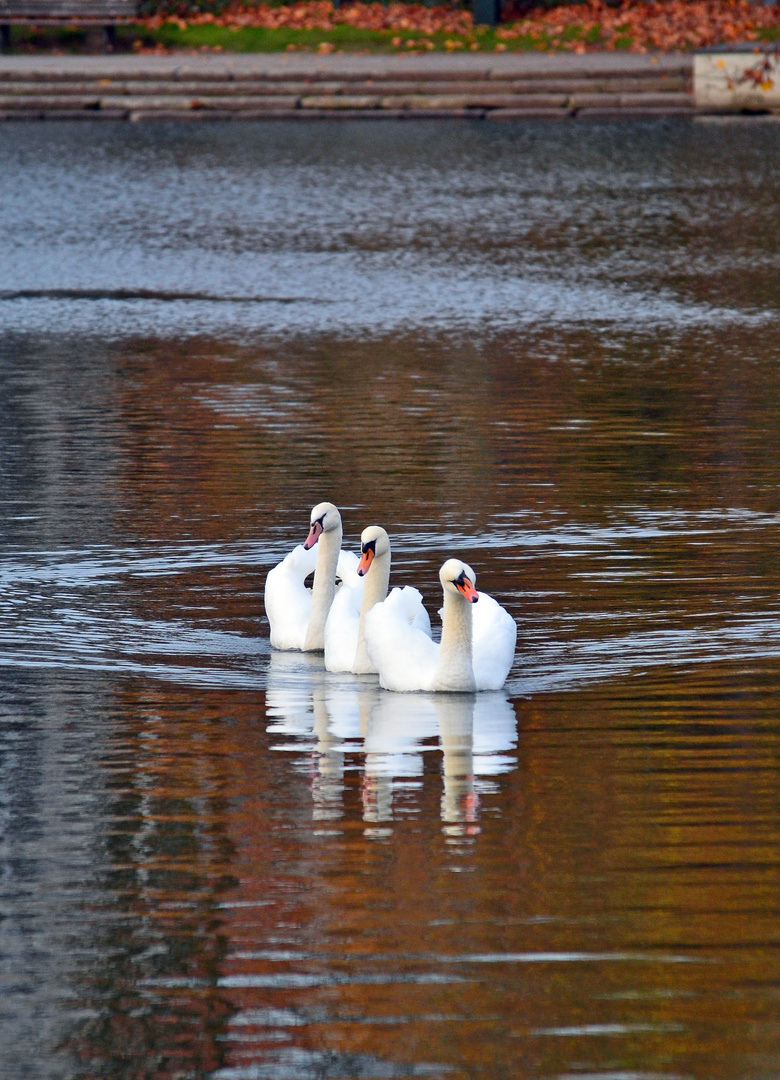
454 670
374 592
324 588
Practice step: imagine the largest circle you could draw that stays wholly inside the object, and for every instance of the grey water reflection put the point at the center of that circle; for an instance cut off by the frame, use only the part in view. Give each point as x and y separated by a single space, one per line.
332 724
550 350
248 230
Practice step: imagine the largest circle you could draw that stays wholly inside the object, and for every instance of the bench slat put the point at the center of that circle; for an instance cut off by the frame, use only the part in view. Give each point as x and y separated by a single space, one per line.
62 10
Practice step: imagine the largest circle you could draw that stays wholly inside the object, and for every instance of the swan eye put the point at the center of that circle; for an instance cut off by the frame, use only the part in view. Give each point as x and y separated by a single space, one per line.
369 546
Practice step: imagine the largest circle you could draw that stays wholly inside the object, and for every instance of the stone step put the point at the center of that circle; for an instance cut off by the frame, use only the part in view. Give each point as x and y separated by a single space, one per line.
431 101
141 115
243 87
529 103
631 101
397 87
135 71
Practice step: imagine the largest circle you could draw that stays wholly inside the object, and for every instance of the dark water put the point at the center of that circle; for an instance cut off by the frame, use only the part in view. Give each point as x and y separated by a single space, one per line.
550 349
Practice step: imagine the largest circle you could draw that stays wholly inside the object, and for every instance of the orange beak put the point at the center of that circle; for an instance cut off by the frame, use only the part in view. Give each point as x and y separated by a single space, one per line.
314 535
467 589
365 561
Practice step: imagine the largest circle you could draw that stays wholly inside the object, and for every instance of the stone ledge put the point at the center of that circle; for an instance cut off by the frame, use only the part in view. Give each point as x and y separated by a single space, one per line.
720 83
474 101
528 114
190 115
23 115
49 101
347 67
197 104
228 87
637 111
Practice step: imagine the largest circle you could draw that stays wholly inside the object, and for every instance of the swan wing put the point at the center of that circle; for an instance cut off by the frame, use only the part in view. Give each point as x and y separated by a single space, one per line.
287 600
346 568
404 655
343 627
495 634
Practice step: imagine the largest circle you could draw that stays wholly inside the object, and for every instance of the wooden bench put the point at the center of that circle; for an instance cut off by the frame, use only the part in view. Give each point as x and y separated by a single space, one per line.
106 13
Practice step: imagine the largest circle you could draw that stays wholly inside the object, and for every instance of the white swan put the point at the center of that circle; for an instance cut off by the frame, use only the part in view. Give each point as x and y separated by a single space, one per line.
297 615
345 647
477 644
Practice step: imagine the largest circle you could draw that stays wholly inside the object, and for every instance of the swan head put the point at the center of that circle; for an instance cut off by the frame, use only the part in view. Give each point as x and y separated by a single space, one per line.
324 517
373 541
457 577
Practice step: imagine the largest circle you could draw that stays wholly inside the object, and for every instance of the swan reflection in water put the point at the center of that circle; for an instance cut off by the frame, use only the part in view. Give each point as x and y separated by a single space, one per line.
345 723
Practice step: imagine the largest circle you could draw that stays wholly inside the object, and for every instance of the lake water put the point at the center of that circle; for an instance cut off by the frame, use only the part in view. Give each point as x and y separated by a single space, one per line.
550 349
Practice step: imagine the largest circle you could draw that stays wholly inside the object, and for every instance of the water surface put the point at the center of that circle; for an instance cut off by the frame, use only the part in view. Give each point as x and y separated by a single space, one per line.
551 350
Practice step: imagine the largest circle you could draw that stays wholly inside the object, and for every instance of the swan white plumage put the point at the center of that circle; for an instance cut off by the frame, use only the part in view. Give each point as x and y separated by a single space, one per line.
345 647
297 614
477 642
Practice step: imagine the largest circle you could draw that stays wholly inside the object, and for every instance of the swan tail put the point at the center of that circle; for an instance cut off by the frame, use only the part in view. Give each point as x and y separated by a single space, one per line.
404 655
410 602
287 600
346 568
495 636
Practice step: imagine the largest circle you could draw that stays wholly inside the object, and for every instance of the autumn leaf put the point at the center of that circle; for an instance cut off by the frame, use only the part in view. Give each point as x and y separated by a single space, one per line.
664 25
